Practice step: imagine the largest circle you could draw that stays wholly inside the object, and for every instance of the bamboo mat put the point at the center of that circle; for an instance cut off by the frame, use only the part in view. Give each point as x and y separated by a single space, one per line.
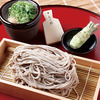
82 71
92 5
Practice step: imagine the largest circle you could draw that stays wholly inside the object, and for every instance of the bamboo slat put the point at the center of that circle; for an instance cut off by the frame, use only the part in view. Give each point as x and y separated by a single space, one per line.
81 70
83 65
92 5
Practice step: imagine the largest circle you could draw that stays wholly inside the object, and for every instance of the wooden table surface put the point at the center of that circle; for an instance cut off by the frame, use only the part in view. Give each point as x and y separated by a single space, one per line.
92 5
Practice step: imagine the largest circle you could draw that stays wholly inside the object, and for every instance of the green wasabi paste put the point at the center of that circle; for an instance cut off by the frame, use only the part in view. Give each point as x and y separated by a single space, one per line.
22 11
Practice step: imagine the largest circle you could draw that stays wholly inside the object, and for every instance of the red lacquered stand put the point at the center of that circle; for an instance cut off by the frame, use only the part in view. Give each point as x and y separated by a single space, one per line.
70 17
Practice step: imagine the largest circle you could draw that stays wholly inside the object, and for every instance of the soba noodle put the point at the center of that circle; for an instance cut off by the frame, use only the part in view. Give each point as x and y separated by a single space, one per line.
44 67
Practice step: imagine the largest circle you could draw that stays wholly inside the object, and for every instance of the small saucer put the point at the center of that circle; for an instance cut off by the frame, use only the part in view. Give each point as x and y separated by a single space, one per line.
88 46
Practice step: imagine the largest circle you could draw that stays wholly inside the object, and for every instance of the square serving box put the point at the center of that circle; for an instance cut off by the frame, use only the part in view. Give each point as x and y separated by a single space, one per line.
83 65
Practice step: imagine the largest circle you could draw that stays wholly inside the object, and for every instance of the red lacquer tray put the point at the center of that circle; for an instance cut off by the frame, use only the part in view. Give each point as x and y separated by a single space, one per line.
70 17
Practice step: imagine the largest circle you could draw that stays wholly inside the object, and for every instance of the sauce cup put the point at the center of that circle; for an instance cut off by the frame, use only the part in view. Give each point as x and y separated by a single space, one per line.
24 32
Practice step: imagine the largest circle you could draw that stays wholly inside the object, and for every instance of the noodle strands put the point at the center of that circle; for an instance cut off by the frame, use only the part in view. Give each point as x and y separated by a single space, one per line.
44 67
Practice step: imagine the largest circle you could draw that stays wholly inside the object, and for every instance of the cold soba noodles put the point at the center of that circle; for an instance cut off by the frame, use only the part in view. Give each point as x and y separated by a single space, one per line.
44 67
